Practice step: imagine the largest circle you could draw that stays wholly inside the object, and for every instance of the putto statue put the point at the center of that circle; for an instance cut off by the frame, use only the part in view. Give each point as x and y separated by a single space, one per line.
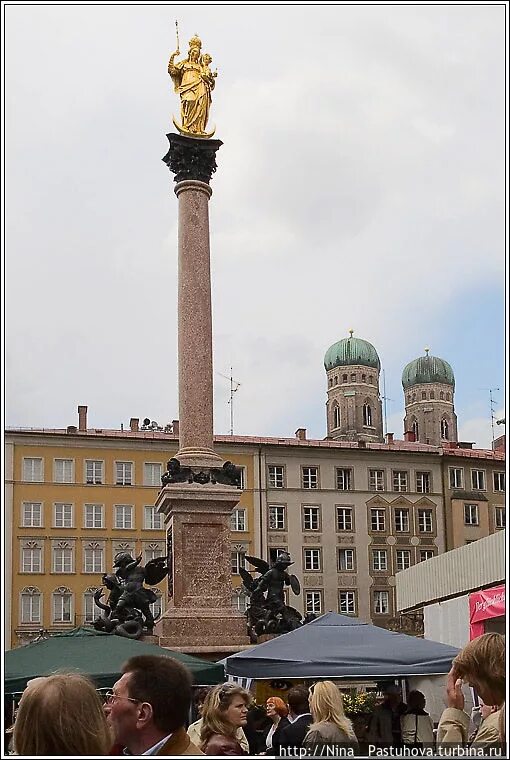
267 612
127 612
194 81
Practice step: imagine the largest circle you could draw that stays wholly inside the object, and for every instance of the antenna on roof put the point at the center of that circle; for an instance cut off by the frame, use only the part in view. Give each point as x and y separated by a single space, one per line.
234 386
492 405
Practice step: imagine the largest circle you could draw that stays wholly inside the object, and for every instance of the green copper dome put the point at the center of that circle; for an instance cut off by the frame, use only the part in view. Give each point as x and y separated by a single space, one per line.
427 369
351 351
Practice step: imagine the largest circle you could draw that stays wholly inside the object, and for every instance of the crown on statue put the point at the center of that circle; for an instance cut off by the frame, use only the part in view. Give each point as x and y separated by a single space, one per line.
195 42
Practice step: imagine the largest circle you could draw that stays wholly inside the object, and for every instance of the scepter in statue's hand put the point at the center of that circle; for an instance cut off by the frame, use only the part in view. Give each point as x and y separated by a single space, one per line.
177 52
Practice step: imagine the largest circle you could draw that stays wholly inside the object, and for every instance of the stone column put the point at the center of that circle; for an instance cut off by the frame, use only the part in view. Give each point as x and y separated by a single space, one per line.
199 493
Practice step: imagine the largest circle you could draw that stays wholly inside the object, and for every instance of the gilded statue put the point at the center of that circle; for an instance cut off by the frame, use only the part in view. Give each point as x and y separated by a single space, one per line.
194 81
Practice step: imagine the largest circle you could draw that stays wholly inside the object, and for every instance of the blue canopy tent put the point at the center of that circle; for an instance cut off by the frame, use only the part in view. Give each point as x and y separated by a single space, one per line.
339 646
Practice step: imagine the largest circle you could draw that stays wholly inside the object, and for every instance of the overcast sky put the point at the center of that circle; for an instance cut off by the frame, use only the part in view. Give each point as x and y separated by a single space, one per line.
360 184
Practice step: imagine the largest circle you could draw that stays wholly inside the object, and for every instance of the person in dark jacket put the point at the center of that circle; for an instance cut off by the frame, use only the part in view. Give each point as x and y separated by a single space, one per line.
291 737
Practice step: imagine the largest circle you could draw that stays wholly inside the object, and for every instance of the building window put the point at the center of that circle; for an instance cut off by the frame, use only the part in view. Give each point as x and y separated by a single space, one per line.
456 477
478 480
344 518
381 602
353 377
239 602
276 475
93 560
444 430
441 395
376 480
312 559
448 397
238 520
423 395
62 559
124 516
32 514
345 560
31 560
402 521
313 602
123 473
344 479
90 609
33 470
276 517
379 560
426 554
152 552
378 519
63 515
363 378
499 517
93 472
62 604
310 477
344 378
336 416
499 481
403 559
152 519
423 482
238 561
367 415
347 602
416 430
432 395
93 515
30 605
425 520
471 514
152 474
64 471
311 518
400 481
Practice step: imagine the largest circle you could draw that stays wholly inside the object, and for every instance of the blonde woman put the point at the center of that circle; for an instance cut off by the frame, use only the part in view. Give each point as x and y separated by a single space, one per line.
61 715
330 724
223 713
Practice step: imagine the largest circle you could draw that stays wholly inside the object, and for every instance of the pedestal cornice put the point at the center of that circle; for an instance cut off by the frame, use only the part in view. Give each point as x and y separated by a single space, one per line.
191 158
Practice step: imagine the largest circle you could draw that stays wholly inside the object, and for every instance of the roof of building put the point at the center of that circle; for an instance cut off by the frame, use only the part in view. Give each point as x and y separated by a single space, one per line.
349 351
252 440
427 369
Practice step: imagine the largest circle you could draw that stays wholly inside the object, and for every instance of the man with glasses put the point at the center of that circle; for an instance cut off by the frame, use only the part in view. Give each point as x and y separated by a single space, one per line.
148 707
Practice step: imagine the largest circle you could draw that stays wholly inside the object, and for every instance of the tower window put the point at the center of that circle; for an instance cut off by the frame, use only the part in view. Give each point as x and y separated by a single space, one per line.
415 430
414 397
363 378
441 395
432 395
353 378
444 430
344 378
448 397
336 416
330 382
367 415
336 379
423 395
370 379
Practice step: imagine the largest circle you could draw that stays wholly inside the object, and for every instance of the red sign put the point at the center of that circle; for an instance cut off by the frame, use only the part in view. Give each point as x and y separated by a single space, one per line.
484 605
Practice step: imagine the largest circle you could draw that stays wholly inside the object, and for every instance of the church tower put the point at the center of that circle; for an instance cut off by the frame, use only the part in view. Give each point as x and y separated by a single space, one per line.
429 385
353 408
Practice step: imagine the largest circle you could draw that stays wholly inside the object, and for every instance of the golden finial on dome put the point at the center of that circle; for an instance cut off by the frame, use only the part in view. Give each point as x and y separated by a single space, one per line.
427 349
351 332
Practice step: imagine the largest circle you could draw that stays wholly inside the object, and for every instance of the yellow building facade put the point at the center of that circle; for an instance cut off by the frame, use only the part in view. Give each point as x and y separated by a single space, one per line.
73 500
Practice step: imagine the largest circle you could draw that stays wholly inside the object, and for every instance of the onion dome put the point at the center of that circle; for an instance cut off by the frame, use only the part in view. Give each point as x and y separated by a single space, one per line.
351 351
427 369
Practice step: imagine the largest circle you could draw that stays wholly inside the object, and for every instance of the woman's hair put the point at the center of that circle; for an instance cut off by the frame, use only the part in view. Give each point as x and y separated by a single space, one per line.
279 706
483 660
415 700
200 695
326 704
216 704
61 714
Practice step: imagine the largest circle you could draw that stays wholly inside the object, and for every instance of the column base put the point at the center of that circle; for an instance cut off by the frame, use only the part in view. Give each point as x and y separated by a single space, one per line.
207 628
196 457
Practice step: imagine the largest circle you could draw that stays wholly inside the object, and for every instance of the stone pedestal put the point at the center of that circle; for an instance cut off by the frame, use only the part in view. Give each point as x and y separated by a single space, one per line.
199 613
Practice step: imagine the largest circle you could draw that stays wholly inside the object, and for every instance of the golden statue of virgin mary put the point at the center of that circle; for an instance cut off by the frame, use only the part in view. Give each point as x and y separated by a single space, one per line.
194 81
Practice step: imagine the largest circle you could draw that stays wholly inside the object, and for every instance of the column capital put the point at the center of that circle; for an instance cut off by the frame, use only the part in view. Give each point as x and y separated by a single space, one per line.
191 158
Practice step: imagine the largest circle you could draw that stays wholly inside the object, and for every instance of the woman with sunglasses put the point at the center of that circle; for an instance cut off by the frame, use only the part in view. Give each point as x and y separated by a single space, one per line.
330 725
223 713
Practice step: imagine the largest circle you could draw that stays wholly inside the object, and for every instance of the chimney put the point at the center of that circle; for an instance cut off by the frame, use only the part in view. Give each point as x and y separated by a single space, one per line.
362 444
389 437
300 434
175 427
409 436
133 424
72 429
82 418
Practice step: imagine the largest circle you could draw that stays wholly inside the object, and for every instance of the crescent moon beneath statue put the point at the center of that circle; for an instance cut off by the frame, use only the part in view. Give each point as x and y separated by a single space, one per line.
190 134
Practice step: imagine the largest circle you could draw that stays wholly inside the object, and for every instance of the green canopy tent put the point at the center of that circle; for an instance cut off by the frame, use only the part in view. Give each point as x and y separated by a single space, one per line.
99 655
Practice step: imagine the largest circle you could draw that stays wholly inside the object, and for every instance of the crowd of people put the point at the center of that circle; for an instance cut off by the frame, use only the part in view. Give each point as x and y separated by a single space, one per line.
147 713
